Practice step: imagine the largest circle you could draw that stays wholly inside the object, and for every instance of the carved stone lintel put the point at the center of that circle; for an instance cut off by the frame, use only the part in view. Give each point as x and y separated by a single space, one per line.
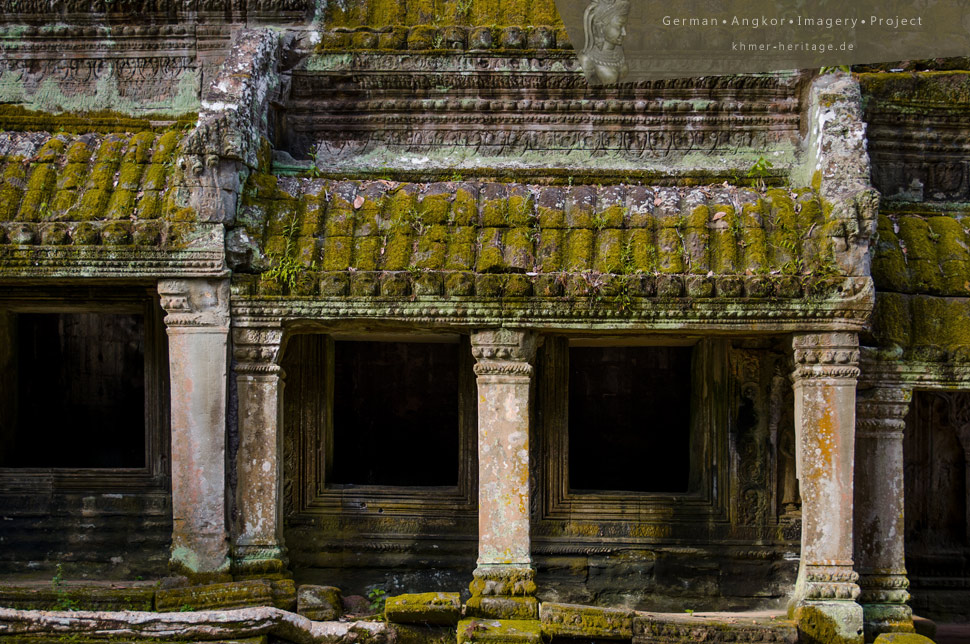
195 303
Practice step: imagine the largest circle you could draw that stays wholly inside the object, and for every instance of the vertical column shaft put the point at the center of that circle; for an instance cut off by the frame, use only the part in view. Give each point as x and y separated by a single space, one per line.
504 583
826 371
258 545
197 323
880 553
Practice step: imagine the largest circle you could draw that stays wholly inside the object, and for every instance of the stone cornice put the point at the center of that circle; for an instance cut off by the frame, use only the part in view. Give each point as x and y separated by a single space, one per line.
887 370
674 314
108 262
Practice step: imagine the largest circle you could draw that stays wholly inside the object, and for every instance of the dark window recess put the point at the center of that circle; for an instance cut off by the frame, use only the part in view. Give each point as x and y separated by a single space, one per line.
395 413
80 399
629 418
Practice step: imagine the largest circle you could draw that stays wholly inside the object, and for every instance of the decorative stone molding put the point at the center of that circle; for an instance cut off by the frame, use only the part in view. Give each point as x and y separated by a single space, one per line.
828 355
887 588
503 352
881 411
831 580
195 302
257 349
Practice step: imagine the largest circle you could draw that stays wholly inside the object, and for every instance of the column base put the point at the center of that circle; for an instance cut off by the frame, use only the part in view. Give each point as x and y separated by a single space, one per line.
259 562
202 559
828 622
503 591
887 618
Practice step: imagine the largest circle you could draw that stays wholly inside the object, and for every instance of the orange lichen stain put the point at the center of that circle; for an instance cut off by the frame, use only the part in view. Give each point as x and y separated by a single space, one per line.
826 430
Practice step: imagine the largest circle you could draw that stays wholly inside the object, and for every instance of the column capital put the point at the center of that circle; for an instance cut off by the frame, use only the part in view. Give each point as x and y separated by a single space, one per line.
503 352
832 355
257 349
881 411
196 302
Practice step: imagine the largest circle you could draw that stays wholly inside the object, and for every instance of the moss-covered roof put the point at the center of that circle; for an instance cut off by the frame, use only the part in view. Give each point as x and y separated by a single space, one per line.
113 189
922 253
379 14
921 269
496 239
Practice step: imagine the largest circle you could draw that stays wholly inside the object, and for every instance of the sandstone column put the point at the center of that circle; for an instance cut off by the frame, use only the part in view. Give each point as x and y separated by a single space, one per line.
826 370
879 527
258 550
504 581
197 322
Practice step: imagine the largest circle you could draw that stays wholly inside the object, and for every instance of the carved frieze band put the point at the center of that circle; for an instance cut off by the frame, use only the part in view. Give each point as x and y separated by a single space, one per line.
826 355
503 352
195 302
257 350
832 580
881 412
884 588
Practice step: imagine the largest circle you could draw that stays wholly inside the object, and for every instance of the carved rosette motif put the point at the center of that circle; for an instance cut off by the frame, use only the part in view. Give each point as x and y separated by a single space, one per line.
831 580
503 352
257 350
826 355
195 302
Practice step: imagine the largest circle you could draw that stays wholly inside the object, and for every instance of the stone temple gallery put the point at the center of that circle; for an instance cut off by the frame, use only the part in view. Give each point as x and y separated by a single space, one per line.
372 322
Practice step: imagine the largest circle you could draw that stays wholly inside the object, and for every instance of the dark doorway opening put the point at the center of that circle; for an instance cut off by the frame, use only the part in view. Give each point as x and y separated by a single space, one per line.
395 413
629 418
80 391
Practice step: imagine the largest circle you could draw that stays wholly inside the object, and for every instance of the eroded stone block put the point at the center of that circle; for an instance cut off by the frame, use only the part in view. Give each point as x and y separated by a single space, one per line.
902 638
236 594
571 620
319 603
424 608
667 628
499 631
502 607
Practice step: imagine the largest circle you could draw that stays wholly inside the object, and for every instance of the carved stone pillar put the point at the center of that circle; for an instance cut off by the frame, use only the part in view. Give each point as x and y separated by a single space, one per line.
826 371
258 549
880 553
197 322
504 581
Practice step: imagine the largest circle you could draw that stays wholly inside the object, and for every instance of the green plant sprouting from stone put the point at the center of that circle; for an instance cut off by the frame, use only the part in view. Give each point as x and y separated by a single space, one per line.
286 269
377 597
760 171
62 601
